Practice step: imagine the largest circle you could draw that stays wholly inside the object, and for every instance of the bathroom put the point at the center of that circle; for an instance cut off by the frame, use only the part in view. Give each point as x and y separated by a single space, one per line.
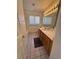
37 21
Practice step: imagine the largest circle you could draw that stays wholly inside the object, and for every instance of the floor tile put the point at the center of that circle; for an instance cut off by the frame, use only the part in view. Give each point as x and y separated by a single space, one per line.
43 51
35 54
28 57
44 56
38 57
41 47
32 52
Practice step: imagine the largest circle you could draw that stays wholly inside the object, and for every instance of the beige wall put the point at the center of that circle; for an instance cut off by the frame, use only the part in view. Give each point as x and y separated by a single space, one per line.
21 30
21 17
56 48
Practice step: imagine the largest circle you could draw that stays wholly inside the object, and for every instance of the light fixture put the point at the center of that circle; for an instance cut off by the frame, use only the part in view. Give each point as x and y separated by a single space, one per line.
51 10
33 4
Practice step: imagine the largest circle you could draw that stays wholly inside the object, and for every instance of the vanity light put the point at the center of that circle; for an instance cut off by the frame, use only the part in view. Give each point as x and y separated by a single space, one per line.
48 10
51 10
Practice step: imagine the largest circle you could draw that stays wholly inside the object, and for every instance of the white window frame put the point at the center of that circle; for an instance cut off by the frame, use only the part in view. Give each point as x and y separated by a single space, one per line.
34 20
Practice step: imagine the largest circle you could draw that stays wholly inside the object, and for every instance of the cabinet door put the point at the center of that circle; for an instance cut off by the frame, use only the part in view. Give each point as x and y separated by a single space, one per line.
50 47
46 43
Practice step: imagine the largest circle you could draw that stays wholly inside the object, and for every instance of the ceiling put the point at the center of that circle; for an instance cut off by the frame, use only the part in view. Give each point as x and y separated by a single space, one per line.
40 5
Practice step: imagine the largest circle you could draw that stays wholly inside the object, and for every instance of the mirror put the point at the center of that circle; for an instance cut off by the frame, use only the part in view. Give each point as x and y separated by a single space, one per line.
49 20
51 15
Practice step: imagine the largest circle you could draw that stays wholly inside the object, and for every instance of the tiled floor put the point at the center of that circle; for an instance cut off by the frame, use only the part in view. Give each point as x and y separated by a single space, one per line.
35 53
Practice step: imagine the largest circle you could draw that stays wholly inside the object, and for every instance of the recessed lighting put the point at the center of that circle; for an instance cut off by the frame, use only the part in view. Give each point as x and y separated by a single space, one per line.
33 4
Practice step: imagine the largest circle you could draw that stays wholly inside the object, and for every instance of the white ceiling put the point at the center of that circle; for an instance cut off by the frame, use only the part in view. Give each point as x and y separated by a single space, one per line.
40 5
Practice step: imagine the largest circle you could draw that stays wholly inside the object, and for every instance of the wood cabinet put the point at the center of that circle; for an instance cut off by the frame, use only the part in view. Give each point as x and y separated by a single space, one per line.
47 42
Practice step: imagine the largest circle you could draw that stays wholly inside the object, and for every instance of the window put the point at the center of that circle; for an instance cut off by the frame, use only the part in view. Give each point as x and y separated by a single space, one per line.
34 20
47 20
